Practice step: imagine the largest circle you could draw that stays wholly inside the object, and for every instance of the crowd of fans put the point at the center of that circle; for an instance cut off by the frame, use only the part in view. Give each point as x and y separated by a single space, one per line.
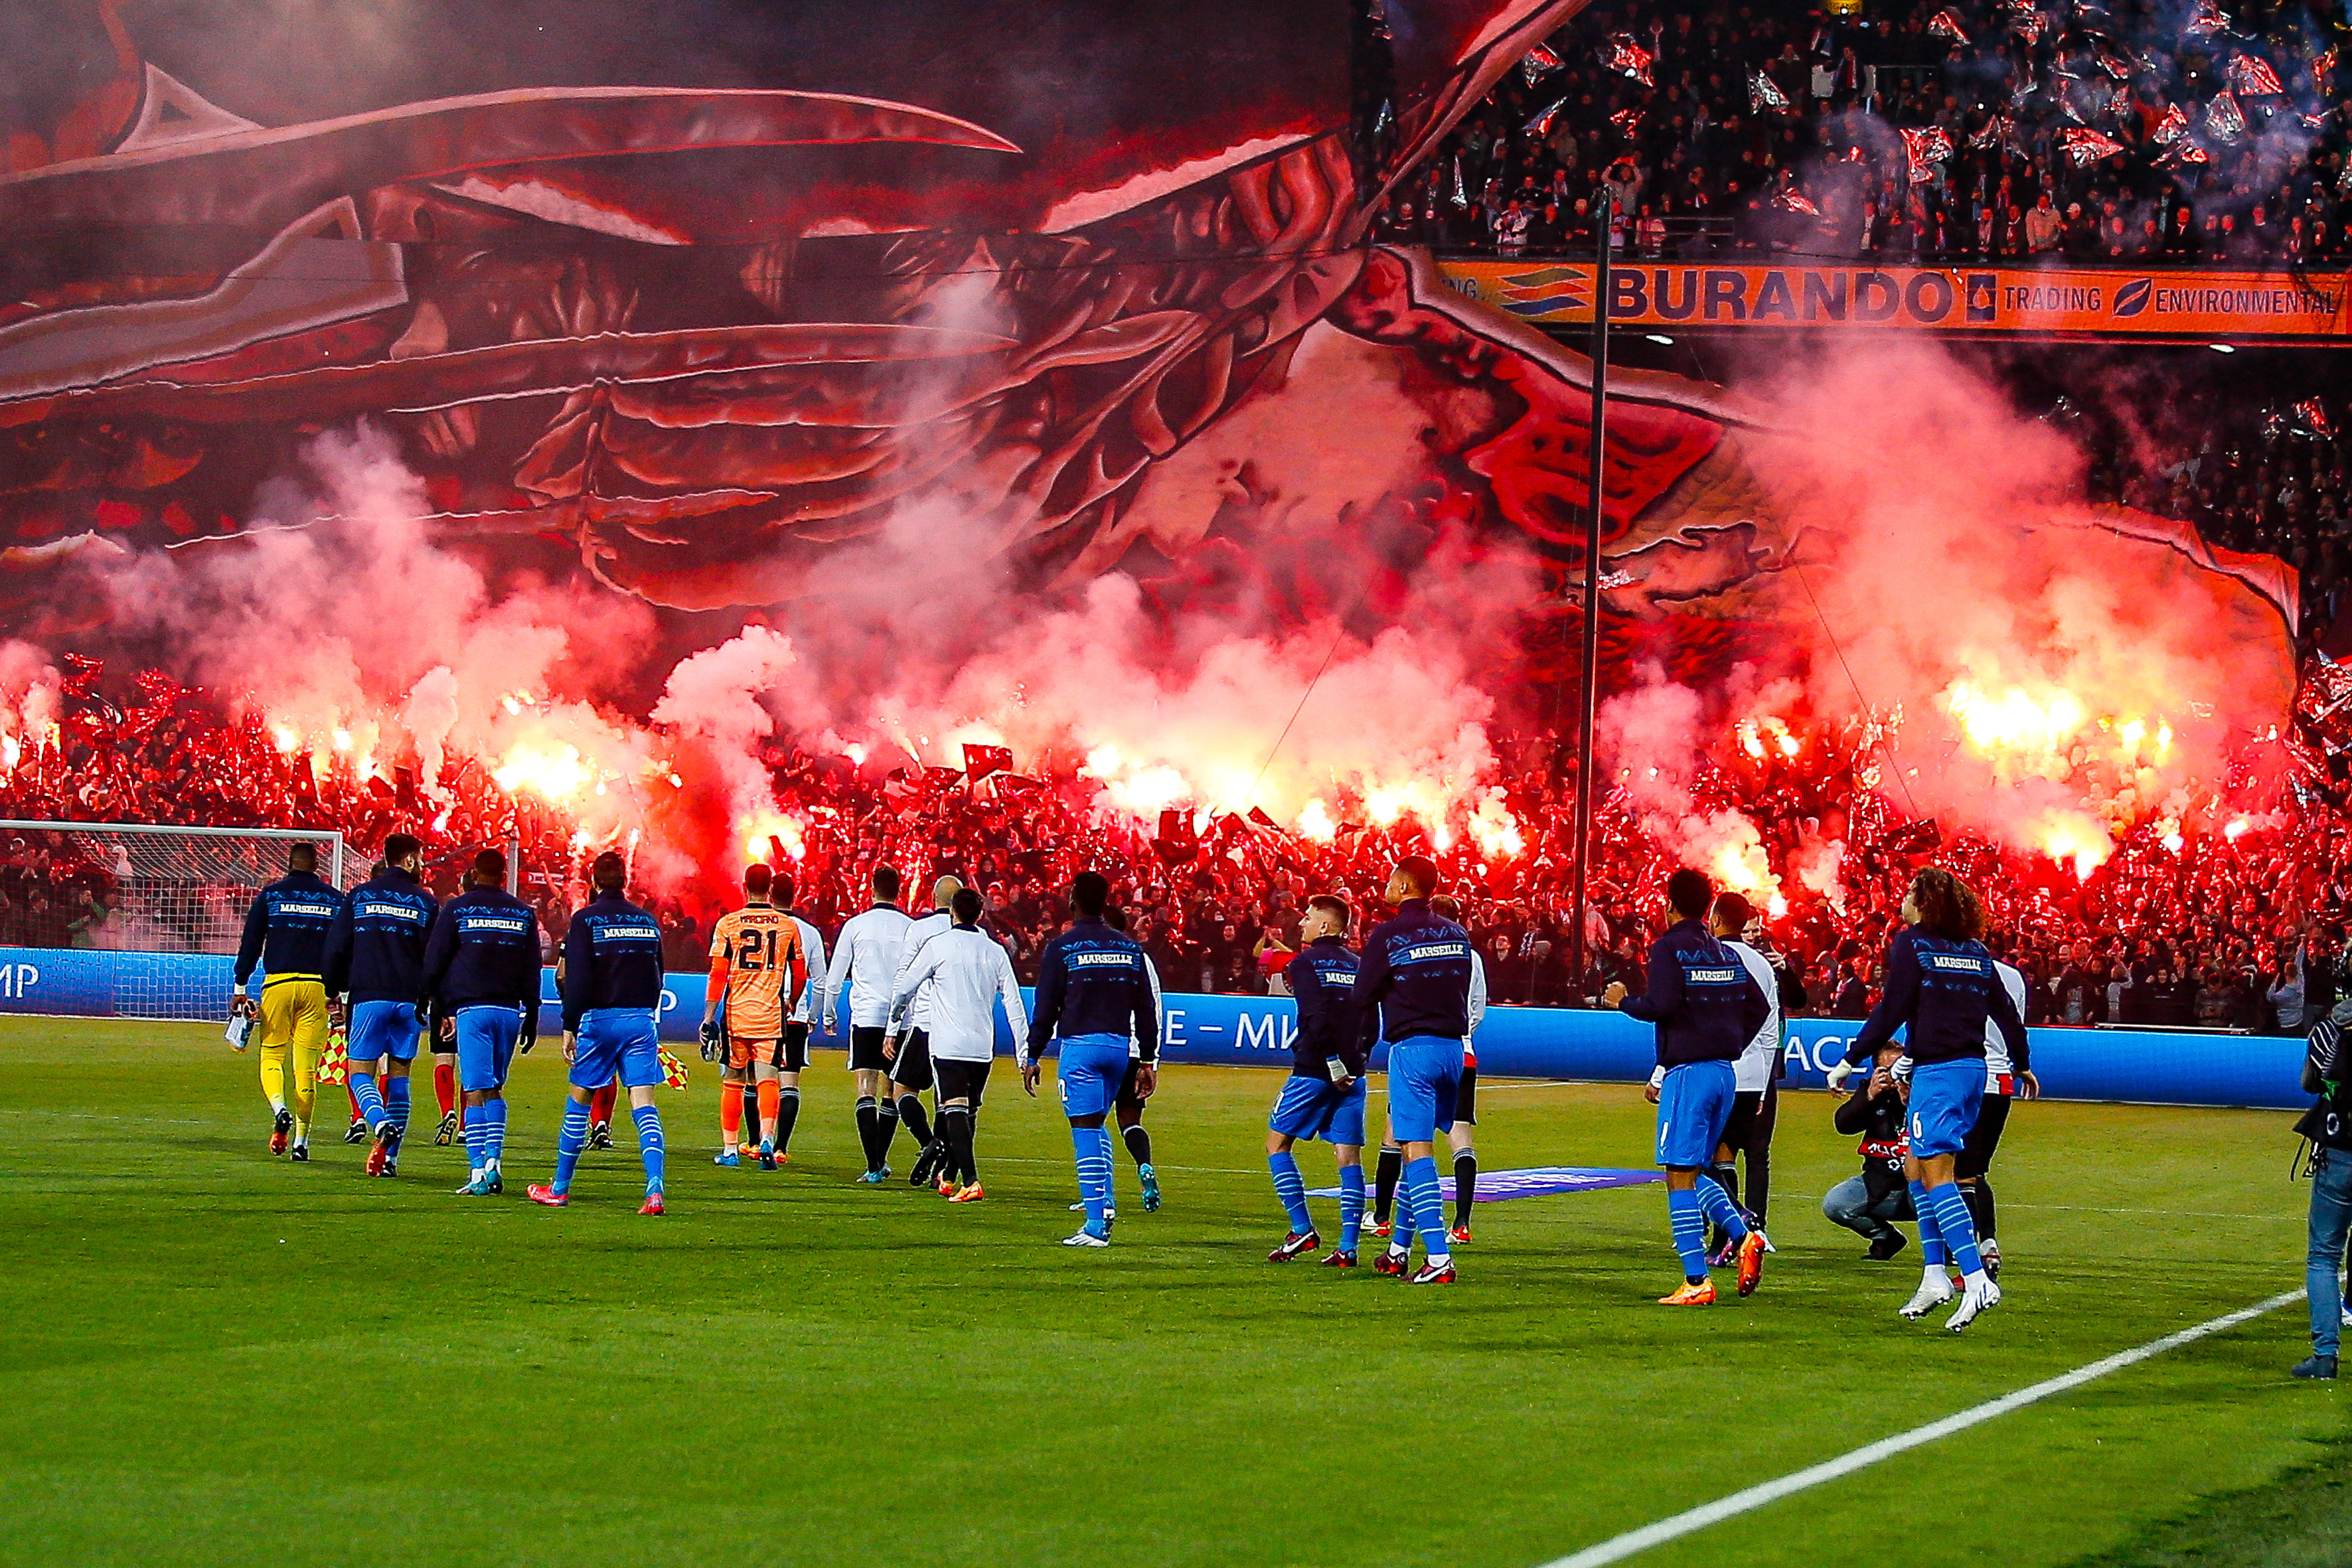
2240 928
2013 131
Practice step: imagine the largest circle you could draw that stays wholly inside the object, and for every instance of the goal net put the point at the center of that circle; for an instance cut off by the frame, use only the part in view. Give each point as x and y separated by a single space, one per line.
126 889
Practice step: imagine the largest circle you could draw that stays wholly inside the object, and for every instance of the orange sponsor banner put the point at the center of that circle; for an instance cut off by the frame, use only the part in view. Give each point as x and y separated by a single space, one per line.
2053 302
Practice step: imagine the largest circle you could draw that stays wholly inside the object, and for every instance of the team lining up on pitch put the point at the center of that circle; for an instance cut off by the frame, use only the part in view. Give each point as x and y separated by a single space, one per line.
395 967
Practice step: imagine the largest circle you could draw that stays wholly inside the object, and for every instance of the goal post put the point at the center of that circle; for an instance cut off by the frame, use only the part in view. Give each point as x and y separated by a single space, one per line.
126 888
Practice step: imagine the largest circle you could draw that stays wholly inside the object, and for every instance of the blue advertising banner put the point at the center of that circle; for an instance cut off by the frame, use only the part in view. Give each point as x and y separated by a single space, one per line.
2147 1065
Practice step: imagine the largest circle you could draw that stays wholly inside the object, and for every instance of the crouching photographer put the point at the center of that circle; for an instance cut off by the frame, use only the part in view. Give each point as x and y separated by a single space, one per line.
1869 1204
2328 1125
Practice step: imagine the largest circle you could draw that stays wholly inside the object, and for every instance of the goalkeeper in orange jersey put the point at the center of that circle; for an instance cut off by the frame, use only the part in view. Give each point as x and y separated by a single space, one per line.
759 968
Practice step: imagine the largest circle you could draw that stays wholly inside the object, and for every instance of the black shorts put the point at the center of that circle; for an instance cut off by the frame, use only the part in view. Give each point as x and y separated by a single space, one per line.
1746 1107
962 1080
1130 1102
1466 1097
866 1049
1975 1157
910 1070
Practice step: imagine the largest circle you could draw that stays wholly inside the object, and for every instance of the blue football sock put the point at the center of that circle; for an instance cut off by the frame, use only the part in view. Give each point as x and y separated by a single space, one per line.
1689 1217
364 1090
494 1132
1957 1226
1931 1235
1106 1149
477 1129
1428 1200
1290 1191
1717 1205
395 1105
649 1144
1351 1205
569 1142
1092 1152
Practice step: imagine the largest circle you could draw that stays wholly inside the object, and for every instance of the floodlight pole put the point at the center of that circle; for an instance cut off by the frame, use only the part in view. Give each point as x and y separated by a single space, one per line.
1589 675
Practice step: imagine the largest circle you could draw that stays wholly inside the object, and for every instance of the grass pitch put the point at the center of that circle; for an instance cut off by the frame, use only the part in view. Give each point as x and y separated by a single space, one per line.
214 1356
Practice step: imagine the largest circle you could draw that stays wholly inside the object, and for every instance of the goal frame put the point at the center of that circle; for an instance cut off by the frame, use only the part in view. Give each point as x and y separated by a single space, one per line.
332 835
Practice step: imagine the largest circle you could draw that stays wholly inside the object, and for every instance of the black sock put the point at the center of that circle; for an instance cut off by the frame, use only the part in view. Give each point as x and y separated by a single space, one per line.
1465 1187
788 1111
886 1132
752 1112
1138 1143
1384 1184
1759 1184
1727 1175
910 1111
955 1129
869 1127
1980 1212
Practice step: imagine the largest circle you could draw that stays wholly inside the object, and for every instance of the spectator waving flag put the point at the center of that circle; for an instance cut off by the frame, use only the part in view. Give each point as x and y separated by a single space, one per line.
1764 93
1946 24
1542 124
2172 127
2207 20
1537 63
1926 149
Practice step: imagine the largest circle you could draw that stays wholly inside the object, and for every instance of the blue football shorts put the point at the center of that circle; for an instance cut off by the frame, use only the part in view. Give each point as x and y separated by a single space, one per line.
1945 1099
1694 1108
486 1046
1092 1067
1318 1108
1425 1070
384 1029
616 1042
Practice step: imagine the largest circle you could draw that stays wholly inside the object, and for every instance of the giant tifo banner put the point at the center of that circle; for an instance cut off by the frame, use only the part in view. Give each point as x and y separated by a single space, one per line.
2141 1066
2041 302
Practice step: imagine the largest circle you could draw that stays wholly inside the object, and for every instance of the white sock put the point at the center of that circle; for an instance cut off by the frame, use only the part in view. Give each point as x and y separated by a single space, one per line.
276 1106
1440 1259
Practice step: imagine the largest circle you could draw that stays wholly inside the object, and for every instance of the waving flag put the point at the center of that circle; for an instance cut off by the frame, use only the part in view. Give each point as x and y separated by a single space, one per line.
1538 62
978 762
1627 58
1946 24
1542 124
673 1069
2085 147
2224 121
2251 78
1764 93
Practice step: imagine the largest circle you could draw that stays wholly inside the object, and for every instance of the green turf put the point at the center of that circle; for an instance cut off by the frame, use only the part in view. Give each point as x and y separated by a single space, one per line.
2303 1519
218 1357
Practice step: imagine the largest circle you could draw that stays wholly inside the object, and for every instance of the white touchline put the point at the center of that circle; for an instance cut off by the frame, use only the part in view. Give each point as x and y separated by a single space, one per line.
1623 1546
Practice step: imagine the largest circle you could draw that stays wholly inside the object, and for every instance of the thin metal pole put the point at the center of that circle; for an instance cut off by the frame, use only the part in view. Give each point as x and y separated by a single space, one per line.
1589 676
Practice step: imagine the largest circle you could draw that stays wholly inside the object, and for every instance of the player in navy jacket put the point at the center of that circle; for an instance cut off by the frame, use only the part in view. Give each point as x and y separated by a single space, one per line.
1324 1096
375 965
611 1001
480 987
1706 1007
286 933
1413 989
1094 990
1942 990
